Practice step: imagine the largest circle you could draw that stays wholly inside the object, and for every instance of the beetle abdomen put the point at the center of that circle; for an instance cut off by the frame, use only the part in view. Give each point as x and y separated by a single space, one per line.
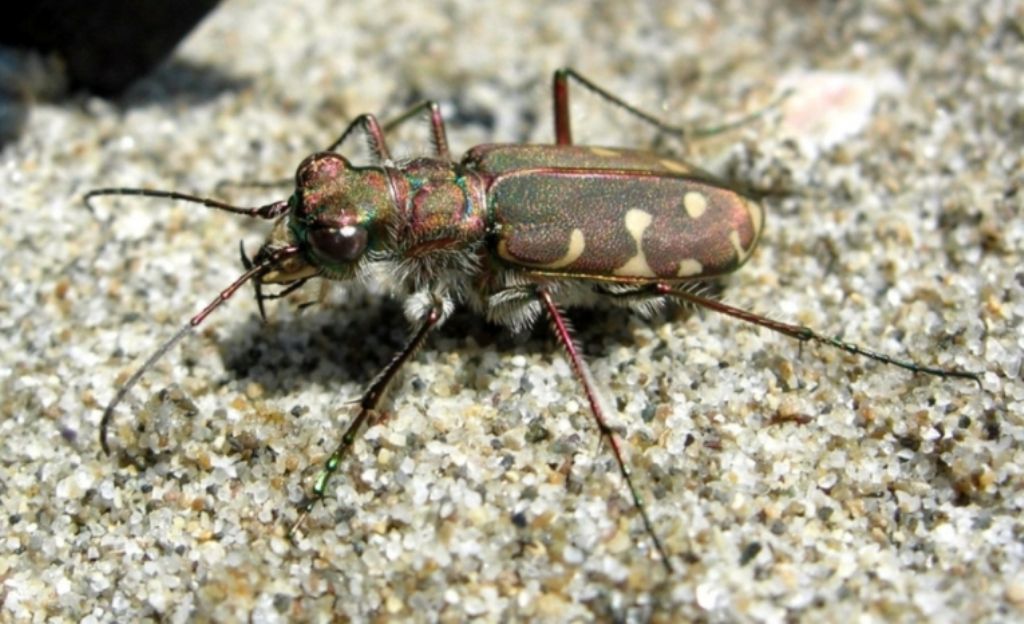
630 226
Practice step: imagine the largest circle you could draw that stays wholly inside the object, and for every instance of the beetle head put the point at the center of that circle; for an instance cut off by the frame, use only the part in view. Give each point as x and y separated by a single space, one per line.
335 216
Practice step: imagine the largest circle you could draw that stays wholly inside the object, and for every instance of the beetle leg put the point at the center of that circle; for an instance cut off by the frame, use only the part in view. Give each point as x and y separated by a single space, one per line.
696 295
368 405
321 297
563 129
806 334
370 127
564 334
438 134
374 132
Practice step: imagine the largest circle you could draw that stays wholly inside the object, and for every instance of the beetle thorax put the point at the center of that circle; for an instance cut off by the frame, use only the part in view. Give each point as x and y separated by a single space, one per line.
434 238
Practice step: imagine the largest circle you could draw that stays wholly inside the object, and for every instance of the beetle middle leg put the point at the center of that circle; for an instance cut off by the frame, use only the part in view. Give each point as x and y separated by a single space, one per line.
561 328
368 405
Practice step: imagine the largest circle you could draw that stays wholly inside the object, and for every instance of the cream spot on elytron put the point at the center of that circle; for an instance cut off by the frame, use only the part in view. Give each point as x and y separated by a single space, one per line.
689 267
576 247
503 251
695 204
674 166
636 222
741 254
600 151
756 215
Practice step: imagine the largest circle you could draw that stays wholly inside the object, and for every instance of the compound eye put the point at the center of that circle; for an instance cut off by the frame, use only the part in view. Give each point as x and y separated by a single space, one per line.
341 244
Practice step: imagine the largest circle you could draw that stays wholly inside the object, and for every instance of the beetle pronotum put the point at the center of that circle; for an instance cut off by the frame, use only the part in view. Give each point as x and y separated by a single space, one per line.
516 232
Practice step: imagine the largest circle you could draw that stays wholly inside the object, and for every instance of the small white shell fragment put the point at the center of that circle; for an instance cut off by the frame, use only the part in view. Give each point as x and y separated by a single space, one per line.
825 108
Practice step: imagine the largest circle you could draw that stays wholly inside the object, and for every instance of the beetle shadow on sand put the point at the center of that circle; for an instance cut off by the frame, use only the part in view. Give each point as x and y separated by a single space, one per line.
332 345
321 345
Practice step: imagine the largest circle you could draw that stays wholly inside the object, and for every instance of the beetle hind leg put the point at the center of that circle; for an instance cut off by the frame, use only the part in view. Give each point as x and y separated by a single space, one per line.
647 300
804 334
563 127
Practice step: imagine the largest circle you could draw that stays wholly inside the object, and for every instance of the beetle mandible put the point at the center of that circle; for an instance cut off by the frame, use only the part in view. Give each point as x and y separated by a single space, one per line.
515 232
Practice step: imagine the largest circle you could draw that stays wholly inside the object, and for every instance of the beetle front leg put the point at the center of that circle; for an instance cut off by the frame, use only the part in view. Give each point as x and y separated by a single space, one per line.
564 334
374 137
375 133
368 404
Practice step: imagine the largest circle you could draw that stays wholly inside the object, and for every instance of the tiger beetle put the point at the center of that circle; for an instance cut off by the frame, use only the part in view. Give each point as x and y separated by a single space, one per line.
515 232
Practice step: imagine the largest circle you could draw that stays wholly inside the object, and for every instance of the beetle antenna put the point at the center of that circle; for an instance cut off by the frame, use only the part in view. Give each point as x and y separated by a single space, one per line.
253 271
267 211
256 184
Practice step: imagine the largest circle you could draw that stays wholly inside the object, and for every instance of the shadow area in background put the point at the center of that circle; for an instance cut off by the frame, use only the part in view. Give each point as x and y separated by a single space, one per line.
104 46
180 81
28 79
